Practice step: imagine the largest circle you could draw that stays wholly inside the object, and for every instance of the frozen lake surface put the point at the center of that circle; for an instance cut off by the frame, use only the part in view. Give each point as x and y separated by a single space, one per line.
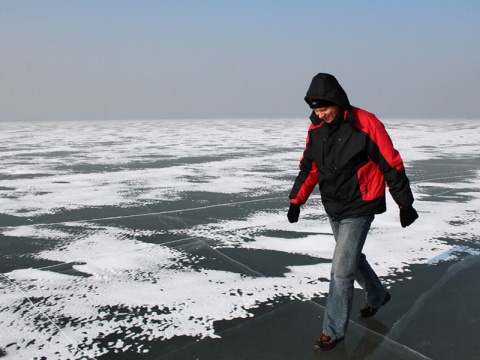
168 239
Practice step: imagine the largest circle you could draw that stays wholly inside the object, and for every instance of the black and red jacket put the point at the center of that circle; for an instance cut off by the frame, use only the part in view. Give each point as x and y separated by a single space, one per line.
351 160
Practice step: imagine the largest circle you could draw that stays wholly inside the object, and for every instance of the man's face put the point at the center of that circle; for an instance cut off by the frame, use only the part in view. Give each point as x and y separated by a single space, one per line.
328 114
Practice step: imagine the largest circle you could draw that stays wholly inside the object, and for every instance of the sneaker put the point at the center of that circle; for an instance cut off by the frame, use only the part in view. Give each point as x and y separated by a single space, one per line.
368 311
326 342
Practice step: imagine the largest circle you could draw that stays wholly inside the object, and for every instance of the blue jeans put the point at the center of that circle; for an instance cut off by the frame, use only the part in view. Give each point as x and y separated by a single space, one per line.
348 265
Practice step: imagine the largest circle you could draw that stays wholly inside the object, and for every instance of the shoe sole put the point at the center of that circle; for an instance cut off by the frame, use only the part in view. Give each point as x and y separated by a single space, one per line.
370 314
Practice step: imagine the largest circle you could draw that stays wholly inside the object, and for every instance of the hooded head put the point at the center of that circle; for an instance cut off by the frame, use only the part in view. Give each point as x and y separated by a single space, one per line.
325 91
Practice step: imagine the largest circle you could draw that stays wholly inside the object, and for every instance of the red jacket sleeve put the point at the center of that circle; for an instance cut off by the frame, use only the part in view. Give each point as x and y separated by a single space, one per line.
307 178
381 150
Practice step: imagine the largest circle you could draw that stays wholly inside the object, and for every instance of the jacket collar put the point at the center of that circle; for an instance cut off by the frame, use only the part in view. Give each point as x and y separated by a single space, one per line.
347 116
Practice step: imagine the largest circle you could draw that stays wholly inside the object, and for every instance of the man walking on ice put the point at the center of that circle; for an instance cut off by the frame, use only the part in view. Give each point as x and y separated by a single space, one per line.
350 155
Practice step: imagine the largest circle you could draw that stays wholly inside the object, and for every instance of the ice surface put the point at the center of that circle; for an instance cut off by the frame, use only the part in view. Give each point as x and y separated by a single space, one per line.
115 235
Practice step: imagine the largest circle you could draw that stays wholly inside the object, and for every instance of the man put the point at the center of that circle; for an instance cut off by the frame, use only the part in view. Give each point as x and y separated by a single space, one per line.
350 155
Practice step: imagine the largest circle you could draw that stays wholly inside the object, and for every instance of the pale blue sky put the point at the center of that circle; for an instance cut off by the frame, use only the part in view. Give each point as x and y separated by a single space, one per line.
137 59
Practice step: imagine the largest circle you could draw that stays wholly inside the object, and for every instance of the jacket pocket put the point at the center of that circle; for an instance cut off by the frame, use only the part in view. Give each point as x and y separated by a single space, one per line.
371 181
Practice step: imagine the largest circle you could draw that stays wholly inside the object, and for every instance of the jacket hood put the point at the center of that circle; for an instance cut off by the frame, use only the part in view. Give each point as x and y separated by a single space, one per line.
326 87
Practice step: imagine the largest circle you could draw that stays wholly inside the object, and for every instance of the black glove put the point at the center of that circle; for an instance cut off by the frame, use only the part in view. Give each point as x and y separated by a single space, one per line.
407 215
293 212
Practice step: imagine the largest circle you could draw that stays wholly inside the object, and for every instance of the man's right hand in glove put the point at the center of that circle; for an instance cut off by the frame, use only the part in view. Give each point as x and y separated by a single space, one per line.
293 212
